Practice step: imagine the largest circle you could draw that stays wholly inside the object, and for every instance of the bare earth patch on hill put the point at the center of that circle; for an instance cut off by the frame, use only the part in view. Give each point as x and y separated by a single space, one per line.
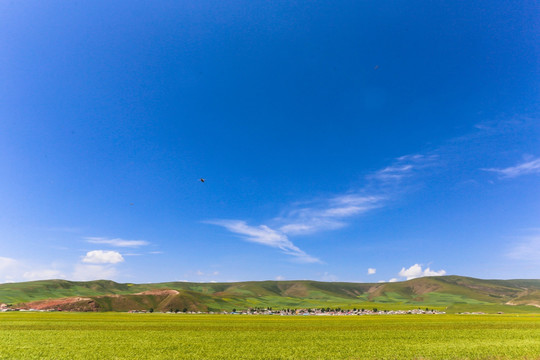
159 292
69 304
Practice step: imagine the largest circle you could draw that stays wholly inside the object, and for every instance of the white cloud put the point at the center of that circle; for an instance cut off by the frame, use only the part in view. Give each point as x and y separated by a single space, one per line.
393 280
529 167
415 271
117 242
371 271
279 278
15 270
103 257
266 236
381 281
84 272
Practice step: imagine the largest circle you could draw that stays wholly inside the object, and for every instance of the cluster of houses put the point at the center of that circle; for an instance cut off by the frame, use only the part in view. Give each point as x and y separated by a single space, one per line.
336 312
6 308
270 311
311 312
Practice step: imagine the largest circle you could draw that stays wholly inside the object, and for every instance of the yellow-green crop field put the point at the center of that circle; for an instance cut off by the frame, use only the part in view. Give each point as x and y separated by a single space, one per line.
173 336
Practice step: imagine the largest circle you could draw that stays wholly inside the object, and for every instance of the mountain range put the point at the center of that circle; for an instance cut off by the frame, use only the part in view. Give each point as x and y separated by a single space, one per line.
448 293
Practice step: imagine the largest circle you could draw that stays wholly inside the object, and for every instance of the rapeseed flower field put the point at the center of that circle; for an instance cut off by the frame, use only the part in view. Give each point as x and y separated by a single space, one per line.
179 336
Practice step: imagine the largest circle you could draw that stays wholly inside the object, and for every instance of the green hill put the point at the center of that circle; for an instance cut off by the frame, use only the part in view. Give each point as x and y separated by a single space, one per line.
450 293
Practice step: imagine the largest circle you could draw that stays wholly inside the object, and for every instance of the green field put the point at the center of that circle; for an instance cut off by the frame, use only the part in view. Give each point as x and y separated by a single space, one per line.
172 336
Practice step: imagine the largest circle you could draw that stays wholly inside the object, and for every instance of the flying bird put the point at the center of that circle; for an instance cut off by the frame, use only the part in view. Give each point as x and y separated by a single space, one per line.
202 180
376 67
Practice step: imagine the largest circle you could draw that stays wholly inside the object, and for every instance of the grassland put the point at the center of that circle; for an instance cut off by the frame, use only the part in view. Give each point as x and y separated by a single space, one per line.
169 336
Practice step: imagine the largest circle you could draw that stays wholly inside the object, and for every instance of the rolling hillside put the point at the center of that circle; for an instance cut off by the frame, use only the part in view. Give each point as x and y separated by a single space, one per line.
450 293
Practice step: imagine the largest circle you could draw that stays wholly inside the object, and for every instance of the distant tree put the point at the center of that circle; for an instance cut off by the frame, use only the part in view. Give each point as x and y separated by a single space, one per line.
233 310
374 309
184 310
151 310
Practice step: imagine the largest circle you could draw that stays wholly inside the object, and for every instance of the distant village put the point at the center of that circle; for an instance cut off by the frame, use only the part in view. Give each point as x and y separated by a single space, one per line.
267 311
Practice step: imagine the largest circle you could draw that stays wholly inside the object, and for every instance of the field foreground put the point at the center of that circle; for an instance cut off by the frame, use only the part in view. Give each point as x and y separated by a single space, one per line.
172 336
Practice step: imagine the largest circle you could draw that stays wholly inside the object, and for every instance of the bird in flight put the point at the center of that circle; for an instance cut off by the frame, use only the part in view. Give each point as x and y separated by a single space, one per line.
376 67
202 180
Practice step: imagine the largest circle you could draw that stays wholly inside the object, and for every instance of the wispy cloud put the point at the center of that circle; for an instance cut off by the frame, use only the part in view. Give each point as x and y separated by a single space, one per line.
371 271
116 242
329 277
265 236
9 269
404 167
527 248
525 168
17 270
6 263
327 214
332 212
209 273
43 274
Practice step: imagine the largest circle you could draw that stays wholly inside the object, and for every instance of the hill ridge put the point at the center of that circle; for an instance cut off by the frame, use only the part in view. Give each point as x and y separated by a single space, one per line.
444 292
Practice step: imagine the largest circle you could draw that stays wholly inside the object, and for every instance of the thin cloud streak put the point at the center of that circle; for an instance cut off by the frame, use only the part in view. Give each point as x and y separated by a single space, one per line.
529 167
403 167
327 214
266 236
528 249
117 242
330 213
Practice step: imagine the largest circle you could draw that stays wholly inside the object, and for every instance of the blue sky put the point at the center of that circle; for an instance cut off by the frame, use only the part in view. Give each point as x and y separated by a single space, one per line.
340 140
